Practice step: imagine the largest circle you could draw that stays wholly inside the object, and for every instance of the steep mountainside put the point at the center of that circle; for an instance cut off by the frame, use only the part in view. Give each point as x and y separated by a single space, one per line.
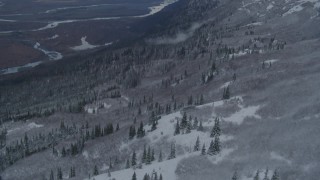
222 90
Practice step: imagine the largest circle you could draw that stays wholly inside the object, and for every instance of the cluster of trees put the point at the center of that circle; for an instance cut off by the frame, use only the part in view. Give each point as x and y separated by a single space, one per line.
206 77
186 125
275 175
198 101
153 176
3 137
226 93
215 146
148 156
29 145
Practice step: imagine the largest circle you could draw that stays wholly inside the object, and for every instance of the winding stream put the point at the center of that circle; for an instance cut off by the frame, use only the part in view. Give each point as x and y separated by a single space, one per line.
53 55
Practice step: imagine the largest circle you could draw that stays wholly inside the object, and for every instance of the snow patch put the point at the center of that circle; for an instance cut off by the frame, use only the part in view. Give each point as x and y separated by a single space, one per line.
34 125
166 168
53 55
225 85
244 112
271 61
158 8
53 37
221 156
270 6
84 45
85 154
276 156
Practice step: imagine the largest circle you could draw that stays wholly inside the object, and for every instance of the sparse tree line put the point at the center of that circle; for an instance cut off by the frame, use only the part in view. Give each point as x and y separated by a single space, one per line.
29 145
257 176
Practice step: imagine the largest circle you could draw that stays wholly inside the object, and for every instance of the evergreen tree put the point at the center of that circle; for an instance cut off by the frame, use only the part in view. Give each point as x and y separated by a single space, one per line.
160 156
95 170
110 164
201 99
177 130
26 145
51 176
72 172
134 159
109 173
141 131
200 128
189 127
128 164
63 153
154 175
235 176
211 149
216 128
195 123
144 155
148 156
266 174
160 177
275 175
203 150
256 177
134 176
226 93
152 155
184 121
132 132
172 151
197 145
154 125
146 177
118 127
59 174
217 144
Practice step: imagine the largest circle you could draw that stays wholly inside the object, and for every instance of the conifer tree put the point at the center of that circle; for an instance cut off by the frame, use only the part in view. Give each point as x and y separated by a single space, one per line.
63 152
197 145
154 125
59 174
184 121
160 178
160 156
216 128
256 177
177 130
172 151
141 131
146 177
189 127
217 144
226 93
235 176
144 155
127 164
154 175
200 128
117 127
148 156
195 123
266 174
95 170
152 155
203 150
275 175
51 176
134 176
201 99
134 159
211 149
